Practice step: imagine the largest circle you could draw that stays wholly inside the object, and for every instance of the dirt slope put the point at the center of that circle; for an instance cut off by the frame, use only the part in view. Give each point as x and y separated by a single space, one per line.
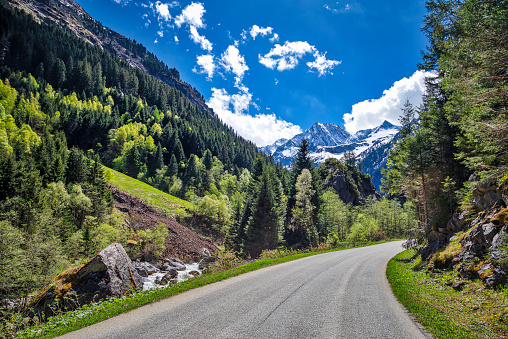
181 243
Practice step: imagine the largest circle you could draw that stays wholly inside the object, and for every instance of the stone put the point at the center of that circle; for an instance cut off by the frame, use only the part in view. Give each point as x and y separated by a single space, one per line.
172 274
498 277
485 271
456 222
195 273
458 286
109 274
145 268
205 258
489 232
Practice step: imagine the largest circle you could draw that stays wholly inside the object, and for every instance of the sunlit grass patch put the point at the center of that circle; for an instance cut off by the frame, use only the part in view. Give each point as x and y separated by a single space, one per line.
469 312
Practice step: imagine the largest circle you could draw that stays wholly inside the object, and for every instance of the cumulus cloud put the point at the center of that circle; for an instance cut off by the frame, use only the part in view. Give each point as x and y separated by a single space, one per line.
274 38
286 56
207 66
163 11
191 15
262 129
263 31
371 113
321 64
232 61
200 39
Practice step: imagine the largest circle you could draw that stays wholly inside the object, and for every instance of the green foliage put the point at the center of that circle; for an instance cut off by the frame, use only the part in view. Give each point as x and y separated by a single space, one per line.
153 241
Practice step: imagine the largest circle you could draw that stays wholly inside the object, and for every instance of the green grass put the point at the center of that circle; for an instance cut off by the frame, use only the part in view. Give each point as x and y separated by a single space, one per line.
473 312
171 205
97 312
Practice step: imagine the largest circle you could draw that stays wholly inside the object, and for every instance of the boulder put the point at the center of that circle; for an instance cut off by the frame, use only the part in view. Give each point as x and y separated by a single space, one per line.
205 258
169 277
195 273
456 222
144 268
109 274
171 263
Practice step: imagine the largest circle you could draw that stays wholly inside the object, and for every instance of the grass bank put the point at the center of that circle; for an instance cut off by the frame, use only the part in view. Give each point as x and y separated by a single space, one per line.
470 311
171 205
97 312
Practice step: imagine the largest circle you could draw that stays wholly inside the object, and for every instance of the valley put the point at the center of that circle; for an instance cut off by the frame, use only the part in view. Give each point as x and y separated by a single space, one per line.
115 173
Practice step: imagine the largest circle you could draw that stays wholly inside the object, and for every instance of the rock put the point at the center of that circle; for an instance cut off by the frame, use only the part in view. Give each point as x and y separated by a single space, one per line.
109 273
168 277
456 222
497 278
205 258
489 232
431 248
195 273
485 271
144 268
458 285
170 264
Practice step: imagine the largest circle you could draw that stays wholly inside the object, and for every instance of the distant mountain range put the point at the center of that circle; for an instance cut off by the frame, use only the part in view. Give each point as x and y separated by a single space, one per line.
370 146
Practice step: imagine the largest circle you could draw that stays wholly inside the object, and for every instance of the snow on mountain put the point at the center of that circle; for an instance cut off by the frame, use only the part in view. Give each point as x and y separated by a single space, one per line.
371 146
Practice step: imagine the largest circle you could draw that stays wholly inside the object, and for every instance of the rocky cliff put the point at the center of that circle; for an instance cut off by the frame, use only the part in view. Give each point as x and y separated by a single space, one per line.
476 248
349 183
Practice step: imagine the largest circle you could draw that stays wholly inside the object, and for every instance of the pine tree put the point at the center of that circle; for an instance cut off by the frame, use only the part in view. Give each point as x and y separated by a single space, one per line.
262 231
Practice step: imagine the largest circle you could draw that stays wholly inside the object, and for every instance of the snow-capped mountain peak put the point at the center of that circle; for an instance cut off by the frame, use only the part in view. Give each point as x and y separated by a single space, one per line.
331 141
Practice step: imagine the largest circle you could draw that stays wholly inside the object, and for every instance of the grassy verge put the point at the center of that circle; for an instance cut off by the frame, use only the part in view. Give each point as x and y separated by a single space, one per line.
173 206
470 312
97 312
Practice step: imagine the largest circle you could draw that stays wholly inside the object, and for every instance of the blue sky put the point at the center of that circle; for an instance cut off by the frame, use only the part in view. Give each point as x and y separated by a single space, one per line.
271 69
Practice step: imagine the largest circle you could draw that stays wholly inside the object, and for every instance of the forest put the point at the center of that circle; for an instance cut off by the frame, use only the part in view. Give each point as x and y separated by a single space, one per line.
67 108
458 139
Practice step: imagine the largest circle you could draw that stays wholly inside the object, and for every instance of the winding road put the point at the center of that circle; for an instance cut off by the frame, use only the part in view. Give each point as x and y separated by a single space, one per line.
341 294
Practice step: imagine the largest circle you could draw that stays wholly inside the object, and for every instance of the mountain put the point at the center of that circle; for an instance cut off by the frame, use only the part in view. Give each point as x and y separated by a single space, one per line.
370 146
70 15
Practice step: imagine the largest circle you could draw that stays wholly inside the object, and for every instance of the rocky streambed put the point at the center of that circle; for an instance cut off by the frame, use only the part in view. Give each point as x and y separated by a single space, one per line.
111 273
170 271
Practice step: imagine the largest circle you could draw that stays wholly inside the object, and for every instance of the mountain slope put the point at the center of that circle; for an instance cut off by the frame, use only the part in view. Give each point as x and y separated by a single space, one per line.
326 141
69 14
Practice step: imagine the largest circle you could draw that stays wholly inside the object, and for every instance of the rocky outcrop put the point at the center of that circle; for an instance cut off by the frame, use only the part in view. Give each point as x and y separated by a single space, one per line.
478 252
109 273
349 183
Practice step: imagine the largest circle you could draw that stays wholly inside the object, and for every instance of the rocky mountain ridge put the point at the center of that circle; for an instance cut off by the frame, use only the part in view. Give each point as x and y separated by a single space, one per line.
327 140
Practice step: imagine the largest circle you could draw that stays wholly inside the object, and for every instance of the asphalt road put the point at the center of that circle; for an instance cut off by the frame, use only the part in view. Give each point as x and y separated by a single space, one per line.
342 294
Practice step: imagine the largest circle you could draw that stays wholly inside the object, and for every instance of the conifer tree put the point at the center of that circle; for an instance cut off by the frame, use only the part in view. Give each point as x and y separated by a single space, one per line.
262 231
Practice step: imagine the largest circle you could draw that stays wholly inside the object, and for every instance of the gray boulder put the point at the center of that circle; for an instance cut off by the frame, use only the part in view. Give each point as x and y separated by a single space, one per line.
109 274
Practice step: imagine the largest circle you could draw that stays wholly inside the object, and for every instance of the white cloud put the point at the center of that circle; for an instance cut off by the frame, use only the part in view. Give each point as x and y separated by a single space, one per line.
122 2
234 62
262 129
274 38
163 10
207 64
322 65
191 15
176 39
371 113
286 56
160 33
263 31
200 39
